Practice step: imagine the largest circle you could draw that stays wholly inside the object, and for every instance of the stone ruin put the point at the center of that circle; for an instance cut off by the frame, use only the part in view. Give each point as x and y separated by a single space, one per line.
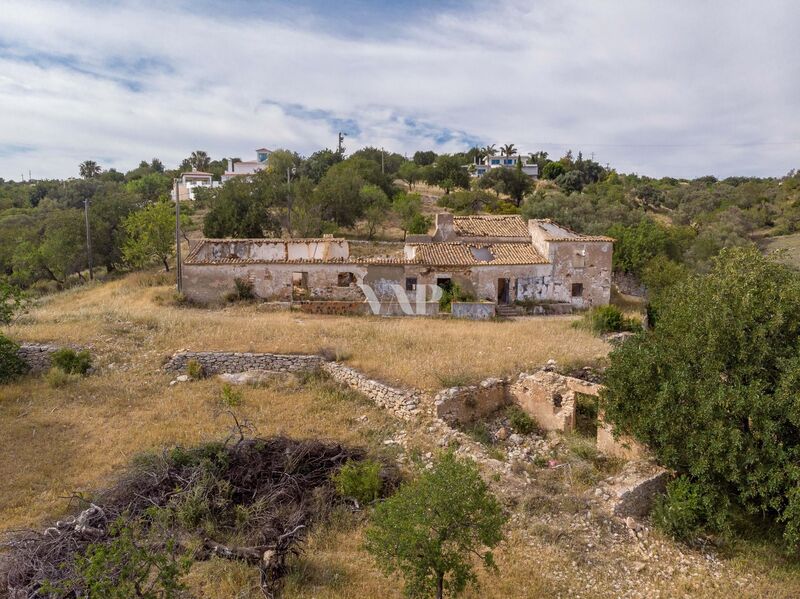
546 396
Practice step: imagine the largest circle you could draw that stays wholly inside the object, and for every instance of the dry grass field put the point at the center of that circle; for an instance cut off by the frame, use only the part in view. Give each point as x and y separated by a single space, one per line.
122 320
58 441
788 244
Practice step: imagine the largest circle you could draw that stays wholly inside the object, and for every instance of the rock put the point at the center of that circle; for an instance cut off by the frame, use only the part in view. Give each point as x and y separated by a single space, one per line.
550 366
638 566
248 377
502 434
516 439
618 338
182 378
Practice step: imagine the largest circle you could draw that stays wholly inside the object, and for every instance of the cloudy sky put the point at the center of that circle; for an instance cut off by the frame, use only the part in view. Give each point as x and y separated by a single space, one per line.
681 88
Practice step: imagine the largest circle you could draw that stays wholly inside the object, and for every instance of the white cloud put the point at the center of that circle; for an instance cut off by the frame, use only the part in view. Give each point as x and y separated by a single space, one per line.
679 88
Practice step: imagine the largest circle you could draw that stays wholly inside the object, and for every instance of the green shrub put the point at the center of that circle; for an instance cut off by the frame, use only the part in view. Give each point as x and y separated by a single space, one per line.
432 530
680 513
359 480
195 370
713 389
479 432
11 365
230 396
607 319
72 362
521 422
57 378
454 293
244 290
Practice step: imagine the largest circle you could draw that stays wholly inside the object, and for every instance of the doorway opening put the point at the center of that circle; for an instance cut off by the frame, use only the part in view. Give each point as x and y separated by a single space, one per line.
503 291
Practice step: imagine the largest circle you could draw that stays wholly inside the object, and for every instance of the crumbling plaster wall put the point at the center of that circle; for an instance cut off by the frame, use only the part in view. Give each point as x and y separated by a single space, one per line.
212 282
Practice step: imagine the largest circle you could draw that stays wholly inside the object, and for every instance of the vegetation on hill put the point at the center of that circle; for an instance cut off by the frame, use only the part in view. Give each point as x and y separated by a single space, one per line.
661 225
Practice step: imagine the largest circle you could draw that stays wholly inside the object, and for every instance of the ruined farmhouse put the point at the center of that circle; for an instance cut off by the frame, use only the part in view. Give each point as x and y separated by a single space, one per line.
494 260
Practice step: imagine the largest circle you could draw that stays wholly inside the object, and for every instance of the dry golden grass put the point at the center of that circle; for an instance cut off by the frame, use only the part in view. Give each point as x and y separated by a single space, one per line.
58 441
122 314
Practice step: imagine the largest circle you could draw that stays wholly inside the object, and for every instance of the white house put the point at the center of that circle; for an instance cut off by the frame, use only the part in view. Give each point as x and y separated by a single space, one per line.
245 168
489 162
190 181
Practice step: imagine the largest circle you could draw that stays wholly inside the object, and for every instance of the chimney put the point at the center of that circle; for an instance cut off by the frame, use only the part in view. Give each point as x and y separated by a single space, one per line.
445 227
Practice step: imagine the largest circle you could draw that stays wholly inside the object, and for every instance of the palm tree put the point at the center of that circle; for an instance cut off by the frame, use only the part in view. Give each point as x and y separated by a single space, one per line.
89 169
200 160
490 150
508 150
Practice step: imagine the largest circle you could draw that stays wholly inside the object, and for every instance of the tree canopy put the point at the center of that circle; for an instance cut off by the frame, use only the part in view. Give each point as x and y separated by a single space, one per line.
714 389
431 529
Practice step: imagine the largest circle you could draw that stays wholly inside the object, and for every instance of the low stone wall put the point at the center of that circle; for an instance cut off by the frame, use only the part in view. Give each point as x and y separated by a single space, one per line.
402 403
333 307
217 362
632 492
463 405
473 310
621 447
37 355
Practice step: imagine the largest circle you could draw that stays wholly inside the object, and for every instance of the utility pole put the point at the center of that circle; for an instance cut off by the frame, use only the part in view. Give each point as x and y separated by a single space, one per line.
88 237
178 266
383 170
341 140
289 171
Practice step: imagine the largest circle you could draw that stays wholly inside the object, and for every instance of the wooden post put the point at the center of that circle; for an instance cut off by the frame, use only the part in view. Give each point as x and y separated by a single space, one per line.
178 266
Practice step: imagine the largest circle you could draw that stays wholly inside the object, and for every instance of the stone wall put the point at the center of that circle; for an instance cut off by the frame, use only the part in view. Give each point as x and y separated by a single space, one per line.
333 307
218 362
473 310
464 405
632 492
37 355
402 403
621 447
548 398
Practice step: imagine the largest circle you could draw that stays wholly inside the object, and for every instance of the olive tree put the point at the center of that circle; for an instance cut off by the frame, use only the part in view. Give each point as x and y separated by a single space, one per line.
433 527
714 389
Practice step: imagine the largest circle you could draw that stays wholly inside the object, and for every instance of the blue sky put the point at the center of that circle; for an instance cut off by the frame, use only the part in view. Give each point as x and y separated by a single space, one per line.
677 88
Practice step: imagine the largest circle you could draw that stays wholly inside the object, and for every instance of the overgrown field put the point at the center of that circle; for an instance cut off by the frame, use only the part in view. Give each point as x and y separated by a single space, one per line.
73 438
126 325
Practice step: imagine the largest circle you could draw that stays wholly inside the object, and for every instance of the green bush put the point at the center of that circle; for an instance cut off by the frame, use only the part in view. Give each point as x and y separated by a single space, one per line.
521 422
230 396
454 293
607 319
57 378
243 290
195 370
713 389
359 480
11 365
72 362
680 513
432 530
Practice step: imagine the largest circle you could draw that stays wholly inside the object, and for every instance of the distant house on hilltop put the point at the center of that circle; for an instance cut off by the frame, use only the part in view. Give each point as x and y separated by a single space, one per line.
485 164
498 260
190 181
246 168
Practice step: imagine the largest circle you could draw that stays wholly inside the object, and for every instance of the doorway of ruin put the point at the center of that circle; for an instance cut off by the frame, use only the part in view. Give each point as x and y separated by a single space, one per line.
503 291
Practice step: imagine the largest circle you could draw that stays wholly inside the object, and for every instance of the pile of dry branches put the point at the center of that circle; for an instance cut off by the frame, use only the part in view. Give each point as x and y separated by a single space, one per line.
280 485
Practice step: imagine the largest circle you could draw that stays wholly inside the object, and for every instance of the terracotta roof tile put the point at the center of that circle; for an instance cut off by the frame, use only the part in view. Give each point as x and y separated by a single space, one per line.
490 226
476 254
